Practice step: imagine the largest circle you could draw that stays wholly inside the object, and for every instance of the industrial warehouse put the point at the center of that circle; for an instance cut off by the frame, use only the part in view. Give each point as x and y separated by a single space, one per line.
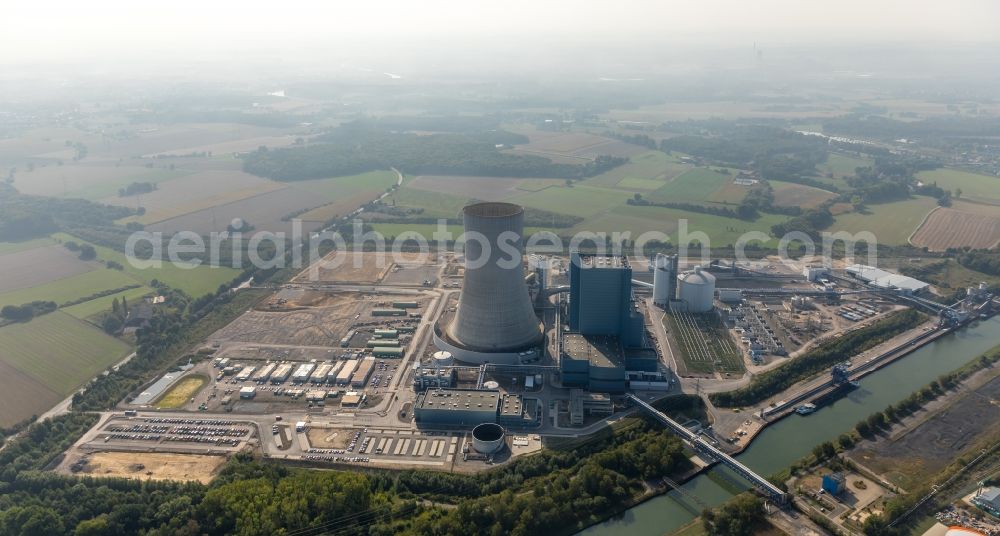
486 354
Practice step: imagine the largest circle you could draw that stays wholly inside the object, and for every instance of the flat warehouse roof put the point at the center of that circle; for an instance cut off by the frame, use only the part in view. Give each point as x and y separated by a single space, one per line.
460 399
600 350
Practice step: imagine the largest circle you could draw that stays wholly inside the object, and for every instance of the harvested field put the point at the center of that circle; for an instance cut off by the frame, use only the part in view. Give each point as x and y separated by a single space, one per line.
88 181
729 193
789 194
59 351
180 392
154 466
6 248
234 146
38 266
952 227
264 212
21 396
174 198
154 138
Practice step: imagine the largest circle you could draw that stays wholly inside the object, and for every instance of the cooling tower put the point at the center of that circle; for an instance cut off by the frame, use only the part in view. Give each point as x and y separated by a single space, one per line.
494 311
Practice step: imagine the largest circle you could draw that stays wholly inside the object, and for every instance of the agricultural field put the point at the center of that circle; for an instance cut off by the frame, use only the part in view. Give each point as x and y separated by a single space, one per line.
789 194
654 166
679 111
174 198
196 281
577 200
33 267
231 147
984 188
721 231
88 181
840 165
427 230
57 352
180 392
7 248
154 138
694 186
959 226
70 288
892 223
434 205
481 188
561 146
264 212
89 309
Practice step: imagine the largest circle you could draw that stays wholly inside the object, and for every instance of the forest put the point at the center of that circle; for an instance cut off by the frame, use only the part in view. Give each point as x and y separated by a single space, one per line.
356 148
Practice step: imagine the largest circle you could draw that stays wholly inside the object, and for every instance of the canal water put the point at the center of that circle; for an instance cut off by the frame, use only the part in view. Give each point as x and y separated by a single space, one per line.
788 440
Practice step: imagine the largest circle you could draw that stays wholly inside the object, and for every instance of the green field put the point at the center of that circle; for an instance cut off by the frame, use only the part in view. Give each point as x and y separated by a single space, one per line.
90 308
346 186
643 185
654 165
694 186
59 351
14 247
579 200
196 281
973 185
70 288
842 165
892 223
639 219
434 205
427 230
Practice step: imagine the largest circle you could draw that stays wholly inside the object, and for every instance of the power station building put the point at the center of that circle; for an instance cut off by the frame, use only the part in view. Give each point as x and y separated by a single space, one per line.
600 298
604 324
495 320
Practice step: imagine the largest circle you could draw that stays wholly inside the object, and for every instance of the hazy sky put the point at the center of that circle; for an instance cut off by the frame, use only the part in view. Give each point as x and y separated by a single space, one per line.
70 29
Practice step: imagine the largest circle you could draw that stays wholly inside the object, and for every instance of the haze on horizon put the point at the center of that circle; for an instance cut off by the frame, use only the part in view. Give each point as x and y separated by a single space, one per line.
64 32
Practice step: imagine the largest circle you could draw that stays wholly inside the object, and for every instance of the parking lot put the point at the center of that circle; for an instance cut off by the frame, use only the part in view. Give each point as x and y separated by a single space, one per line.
168 433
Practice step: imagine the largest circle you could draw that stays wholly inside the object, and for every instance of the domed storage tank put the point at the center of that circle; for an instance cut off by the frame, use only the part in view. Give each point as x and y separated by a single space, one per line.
488 438
443 359
492 385
696 289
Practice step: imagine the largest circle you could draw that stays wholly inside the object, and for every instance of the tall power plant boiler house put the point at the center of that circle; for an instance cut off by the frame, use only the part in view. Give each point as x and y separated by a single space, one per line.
664 279
494 319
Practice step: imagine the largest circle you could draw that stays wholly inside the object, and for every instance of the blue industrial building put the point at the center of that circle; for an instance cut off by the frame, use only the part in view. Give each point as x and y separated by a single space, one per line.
606 336
600 298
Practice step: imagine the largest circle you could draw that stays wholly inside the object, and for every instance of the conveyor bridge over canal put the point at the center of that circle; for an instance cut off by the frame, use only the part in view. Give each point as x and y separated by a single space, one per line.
773 492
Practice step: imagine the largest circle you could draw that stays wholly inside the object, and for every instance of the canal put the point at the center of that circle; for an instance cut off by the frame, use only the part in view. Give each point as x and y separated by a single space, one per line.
788 440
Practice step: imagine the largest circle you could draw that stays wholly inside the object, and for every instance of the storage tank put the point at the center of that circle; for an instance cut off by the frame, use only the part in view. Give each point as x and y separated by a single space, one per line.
488 438
664 277
730 295
696 290
491 385
494 310
443 359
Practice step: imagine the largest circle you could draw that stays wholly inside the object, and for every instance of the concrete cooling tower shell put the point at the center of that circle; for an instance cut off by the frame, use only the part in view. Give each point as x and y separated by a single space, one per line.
494 311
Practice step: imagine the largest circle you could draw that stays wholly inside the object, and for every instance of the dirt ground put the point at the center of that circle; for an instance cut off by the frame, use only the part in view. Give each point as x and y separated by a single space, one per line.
925 449
154 466
329 438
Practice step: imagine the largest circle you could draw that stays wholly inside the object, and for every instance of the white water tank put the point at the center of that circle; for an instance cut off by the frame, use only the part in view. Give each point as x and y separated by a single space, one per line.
488 438
491 385
696 290
443 359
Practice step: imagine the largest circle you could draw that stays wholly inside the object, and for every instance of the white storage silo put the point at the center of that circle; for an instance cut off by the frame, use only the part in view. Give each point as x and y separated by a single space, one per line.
664 275
696 290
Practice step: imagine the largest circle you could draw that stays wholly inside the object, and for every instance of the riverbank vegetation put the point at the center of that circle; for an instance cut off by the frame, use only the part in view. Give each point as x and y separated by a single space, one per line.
815 361
555 492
